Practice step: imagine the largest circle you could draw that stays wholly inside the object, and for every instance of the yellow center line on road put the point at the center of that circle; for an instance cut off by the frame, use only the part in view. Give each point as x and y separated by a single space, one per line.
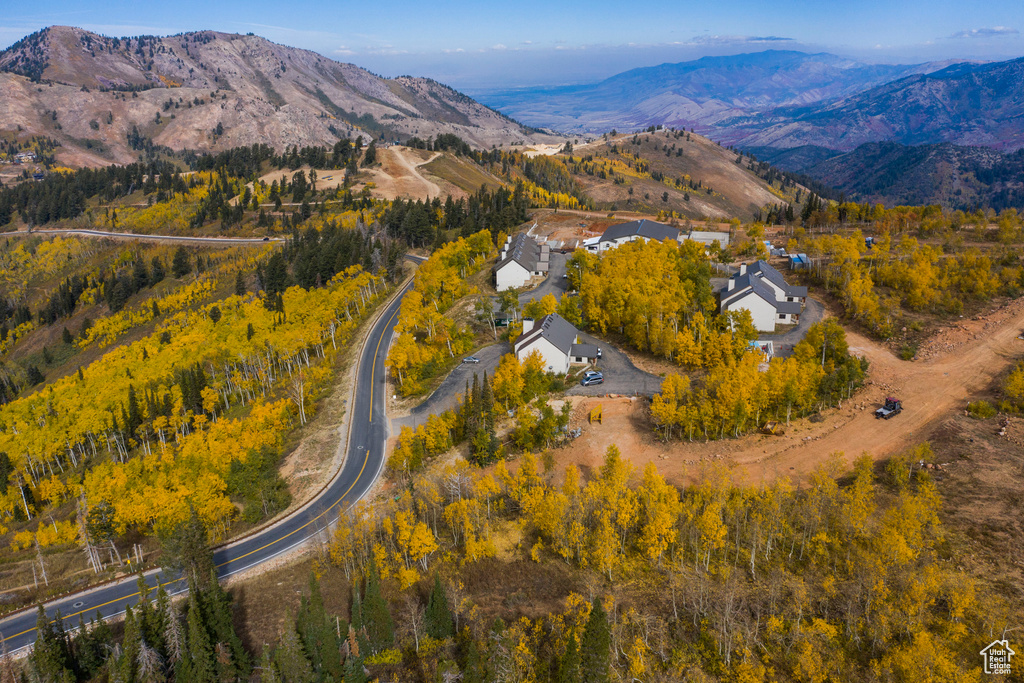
366 459
373 369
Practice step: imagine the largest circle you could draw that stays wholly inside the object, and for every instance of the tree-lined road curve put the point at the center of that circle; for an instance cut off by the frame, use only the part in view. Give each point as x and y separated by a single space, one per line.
226 241
364 461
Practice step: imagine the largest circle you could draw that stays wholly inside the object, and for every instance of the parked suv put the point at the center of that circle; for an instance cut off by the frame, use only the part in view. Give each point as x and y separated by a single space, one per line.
592 377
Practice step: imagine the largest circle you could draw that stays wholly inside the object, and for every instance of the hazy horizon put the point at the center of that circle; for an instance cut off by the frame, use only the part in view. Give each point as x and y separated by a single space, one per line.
477 48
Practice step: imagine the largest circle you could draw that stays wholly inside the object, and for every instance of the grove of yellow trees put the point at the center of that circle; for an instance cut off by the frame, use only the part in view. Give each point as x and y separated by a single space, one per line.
426 338
726 582
158 423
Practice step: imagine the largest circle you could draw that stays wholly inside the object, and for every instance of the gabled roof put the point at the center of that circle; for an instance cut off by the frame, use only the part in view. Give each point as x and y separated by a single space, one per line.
743 282
643 228
768 272
746 285
525 251
556 329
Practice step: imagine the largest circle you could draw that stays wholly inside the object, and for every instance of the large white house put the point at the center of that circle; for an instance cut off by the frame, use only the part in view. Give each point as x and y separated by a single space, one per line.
520 259
618 235
763 291
557 342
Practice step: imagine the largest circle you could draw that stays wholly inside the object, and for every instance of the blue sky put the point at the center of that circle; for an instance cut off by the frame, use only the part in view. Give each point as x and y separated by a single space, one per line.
476 45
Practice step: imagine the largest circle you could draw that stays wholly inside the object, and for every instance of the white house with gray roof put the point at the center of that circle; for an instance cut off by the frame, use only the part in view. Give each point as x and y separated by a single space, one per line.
761 289
520 259
644 229
557 342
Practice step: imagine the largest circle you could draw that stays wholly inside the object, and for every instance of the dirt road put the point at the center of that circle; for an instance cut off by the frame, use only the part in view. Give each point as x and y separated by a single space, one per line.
398 174
963 359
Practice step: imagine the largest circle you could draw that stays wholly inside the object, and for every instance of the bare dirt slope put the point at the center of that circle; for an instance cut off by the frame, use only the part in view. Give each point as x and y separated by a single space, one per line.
398 174
958 363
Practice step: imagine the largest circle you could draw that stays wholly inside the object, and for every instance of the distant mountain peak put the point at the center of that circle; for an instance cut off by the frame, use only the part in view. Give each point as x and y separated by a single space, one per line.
176 91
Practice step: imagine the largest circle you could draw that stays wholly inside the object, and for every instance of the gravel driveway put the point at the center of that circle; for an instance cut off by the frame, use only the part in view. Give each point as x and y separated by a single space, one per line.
620 375
813 312
553 284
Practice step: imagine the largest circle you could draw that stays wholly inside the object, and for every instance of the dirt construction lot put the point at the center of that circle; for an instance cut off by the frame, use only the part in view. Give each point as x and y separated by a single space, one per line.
959 362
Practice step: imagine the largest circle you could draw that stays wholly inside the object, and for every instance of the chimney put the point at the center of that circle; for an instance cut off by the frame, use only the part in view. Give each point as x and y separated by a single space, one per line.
731 285
527 325
743 269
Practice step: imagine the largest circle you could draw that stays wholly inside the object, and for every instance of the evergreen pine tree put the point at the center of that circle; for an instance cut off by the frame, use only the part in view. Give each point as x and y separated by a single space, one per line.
291 661
380 628
182 264
127 663
239 284
319 635
217 614
156 273
198 657
439 622
595 646
266 672
472 670
134 417
50 657
569 666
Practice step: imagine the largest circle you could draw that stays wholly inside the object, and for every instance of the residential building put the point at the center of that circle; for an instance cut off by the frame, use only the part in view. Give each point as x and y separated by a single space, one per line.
557 342
520 259
762 290
618 235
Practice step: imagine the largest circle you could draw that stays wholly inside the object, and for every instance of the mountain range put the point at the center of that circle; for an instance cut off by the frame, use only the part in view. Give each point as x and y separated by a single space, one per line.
102 98
923 133
705 94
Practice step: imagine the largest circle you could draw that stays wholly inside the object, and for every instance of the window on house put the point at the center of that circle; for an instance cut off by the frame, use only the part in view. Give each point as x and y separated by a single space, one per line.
782 316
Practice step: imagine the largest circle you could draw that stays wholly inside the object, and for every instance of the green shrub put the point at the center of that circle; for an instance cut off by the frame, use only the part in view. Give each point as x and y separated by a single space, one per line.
981 410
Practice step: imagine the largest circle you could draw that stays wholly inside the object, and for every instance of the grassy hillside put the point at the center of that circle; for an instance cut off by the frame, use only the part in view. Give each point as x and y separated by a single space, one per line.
672 171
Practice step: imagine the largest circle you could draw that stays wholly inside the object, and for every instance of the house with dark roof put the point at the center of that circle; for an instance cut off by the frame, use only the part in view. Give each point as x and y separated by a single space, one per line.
557 342
520 259
761 290
644 229
773 278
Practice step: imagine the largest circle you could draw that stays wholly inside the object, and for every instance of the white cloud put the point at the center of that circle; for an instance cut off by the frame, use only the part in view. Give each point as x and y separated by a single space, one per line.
499 46
992 32
738 40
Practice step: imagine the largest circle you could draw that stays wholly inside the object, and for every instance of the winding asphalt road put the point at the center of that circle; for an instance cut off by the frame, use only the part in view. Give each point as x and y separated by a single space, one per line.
368 431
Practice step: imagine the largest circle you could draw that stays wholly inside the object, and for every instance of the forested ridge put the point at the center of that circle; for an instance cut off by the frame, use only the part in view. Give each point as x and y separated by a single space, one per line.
635 579
173 379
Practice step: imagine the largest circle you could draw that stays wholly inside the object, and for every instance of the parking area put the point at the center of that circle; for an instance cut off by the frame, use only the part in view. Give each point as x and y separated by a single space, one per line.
620 375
